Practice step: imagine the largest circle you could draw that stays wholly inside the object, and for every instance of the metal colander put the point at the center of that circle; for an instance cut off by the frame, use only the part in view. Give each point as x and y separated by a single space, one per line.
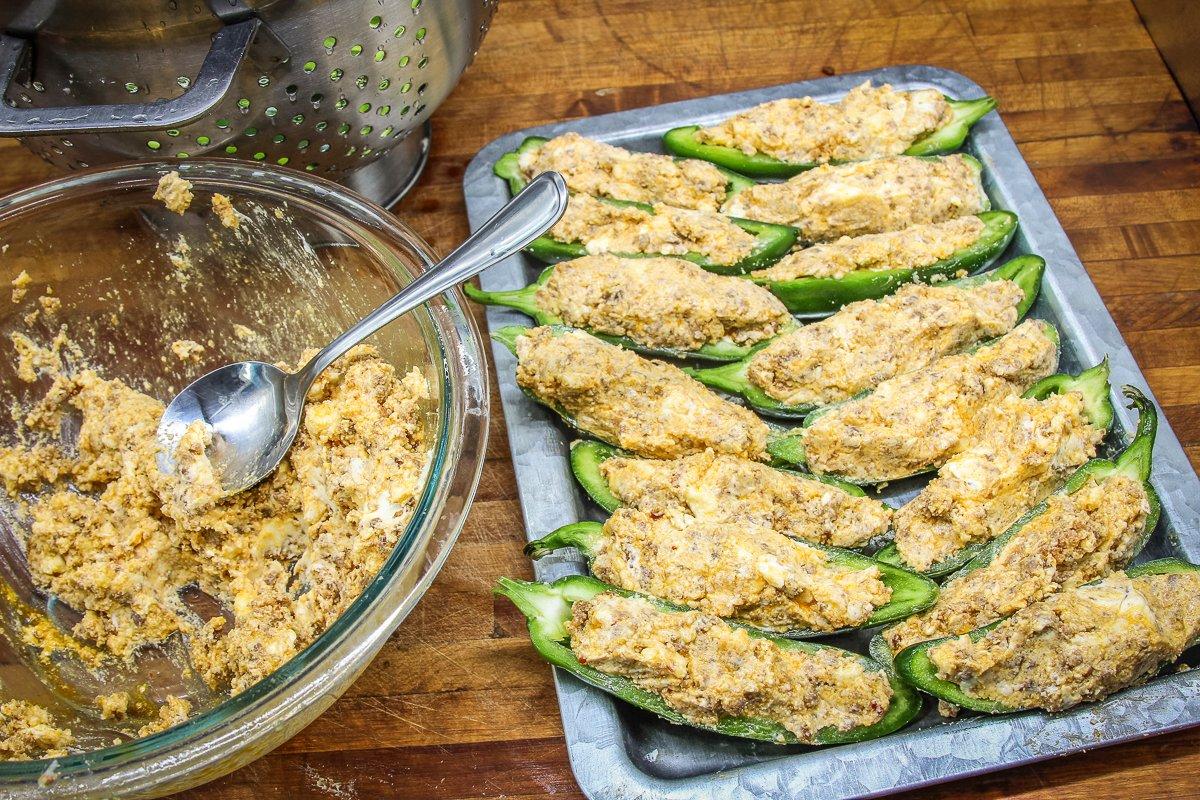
343 88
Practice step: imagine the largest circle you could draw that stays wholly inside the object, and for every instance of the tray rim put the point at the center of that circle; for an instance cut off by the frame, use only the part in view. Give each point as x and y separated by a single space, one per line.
908 759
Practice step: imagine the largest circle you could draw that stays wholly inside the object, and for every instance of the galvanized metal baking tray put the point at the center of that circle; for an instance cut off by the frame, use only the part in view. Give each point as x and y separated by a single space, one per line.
619 752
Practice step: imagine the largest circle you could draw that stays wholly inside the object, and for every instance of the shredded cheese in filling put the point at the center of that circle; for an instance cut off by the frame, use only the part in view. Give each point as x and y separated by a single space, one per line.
606 228
709 487
885 194
602 170
737 571
1025 450
647 407
1078 538
661 302
707 670
1079 645
285 557
28 731
871 341
908 248
174 192
868 122
917 421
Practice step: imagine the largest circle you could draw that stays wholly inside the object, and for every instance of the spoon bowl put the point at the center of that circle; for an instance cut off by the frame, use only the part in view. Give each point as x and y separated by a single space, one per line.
246 406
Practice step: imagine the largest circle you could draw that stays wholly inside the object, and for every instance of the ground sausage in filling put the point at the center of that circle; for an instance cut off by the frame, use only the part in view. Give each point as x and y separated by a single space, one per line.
917 421
647 407
708 670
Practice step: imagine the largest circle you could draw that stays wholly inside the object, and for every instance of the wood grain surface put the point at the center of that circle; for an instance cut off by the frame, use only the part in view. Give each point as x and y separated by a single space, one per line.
457 705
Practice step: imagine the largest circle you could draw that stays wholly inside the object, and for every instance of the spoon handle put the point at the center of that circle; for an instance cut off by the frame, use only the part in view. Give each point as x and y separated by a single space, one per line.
527 216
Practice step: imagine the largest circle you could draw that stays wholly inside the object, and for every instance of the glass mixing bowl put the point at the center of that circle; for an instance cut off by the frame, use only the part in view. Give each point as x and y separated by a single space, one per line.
308 259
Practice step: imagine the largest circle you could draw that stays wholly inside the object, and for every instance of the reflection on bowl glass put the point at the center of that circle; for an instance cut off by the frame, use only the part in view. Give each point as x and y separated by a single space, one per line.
130 278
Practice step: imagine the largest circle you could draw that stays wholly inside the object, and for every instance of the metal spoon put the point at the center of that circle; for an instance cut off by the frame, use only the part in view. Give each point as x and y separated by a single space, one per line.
254 408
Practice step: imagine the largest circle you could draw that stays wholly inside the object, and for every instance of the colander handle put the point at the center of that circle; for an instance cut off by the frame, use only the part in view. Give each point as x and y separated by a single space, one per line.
229 47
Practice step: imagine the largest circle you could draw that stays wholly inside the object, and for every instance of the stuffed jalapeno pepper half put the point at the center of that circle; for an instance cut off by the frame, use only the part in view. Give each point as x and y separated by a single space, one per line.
646 407
886 194
1096 524
657 306
713 487
783 137
695 669
635 229
821 279
871 341
1076 646
917 421
1025 448
744 573
603 170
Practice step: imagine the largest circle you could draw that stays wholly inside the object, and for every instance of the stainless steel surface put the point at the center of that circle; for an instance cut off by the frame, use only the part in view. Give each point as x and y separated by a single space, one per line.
1174 25
328 86
253 408
619 752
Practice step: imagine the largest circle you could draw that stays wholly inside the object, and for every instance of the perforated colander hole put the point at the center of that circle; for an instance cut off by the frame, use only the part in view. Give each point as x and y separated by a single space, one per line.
302 144
316 99
380 55
243 103
153 144
424 62
416 5
364 108
38 86
384 84
202 140
271 111
324 148
184 81
419 35
260 155
343 129
386 132
341 103
263 80
310 166
282 161
365 130
406 88
132 88
399 31
278 138
320 126
383 111
403 62
251 131
182 155
297 119
375 22
361 81
421 89
356 50
172 132
231 149
309 66
330 43
222 123
291 90
336 75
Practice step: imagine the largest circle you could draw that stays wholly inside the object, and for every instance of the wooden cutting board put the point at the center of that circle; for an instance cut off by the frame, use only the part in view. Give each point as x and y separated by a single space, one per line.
457 705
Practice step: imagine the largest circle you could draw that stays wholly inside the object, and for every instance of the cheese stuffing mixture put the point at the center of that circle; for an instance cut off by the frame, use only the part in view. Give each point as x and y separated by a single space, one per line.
661 302
1025 450
647 407
885 194
868 122
1079 537
117 540
737 571
870 341
917 421
602 170
707 670
606 228
1079 645
913 247
710 487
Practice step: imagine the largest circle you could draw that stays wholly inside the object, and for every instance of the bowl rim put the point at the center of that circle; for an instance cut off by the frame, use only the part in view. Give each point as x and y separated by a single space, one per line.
189 751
